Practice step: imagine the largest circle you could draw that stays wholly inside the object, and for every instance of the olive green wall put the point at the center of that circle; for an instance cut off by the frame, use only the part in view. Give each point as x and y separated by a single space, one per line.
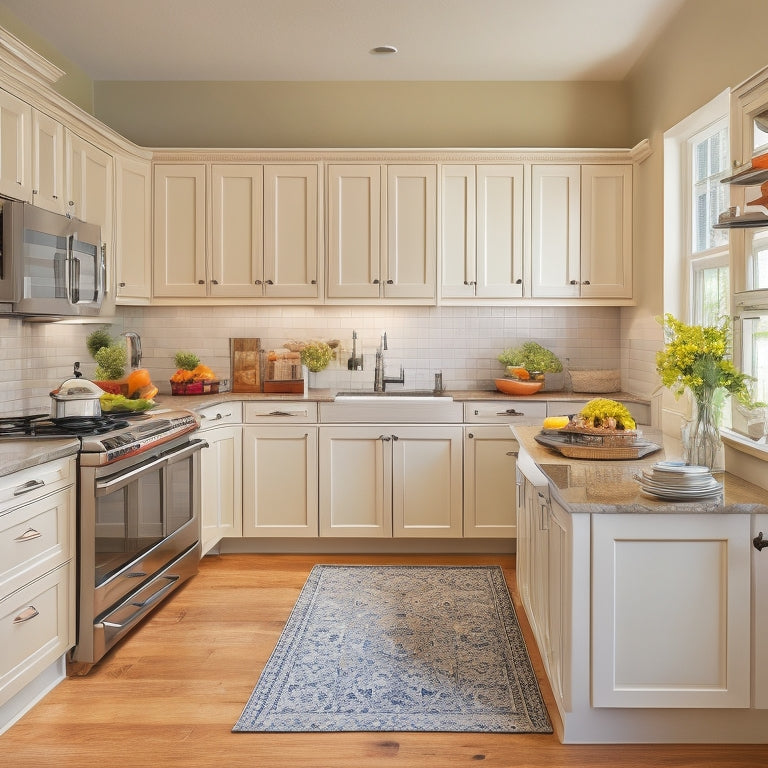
371 114
75 85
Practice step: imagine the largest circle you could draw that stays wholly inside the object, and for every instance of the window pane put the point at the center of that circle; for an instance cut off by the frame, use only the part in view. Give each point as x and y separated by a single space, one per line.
760 137
711 295
710 159
757 265
756 353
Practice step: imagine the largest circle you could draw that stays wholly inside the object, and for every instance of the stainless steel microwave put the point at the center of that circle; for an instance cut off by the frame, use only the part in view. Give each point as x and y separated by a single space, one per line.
51 266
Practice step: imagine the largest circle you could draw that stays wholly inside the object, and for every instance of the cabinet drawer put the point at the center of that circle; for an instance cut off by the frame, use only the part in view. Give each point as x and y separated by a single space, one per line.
30 484
222 413
35 538
280 412
36 627
505 412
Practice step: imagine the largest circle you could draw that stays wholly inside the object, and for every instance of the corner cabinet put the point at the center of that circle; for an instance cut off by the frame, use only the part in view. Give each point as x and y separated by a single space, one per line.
382 239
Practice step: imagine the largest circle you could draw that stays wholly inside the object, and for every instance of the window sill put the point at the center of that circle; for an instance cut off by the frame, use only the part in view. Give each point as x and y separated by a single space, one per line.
744 444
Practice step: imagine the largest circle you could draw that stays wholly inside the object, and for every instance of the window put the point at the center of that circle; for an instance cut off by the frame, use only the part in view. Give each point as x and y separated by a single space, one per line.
708 162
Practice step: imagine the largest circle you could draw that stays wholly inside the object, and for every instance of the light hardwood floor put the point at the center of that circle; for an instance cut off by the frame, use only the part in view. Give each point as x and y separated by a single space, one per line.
171 692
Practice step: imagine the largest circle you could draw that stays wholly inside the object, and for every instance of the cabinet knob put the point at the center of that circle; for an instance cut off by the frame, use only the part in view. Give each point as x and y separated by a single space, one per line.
34 192
313 282
121 285
471 434
71 203
574 282
385 438
270 282
759 542
375 280
390 282
201 282
215 282
586 282
519 281
257 282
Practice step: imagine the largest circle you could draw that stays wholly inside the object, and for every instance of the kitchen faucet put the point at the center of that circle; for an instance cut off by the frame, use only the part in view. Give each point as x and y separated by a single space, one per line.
380 381
133 341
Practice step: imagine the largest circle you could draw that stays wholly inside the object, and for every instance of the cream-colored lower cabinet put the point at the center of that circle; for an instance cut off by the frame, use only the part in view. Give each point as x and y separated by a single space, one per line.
222 486
759 601
490 453
280 480
390 480
671 610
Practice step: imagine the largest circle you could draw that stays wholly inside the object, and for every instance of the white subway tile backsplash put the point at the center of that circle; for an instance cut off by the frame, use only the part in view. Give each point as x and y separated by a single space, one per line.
461 342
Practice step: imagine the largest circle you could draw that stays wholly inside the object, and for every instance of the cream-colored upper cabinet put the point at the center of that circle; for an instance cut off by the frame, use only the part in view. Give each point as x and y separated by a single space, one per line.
482 231
382 232
89 184
292 242
48 189
354 231
237 260
581 231
606 231
15 147
179 258
555 231
133 229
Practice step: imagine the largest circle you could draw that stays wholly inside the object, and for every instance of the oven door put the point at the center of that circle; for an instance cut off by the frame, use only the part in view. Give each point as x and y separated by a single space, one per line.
136 518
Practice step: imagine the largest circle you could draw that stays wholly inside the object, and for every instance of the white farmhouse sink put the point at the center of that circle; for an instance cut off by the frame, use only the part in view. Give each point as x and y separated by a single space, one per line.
404 406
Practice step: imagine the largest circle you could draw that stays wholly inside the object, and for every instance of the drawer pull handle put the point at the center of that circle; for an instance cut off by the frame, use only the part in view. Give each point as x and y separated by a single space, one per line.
26 615
759 542
510 412
218 416
28 535
283 413
513 453
31 485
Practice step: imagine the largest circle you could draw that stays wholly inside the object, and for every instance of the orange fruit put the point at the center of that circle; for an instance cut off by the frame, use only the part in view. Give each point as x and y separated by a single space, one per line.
137 379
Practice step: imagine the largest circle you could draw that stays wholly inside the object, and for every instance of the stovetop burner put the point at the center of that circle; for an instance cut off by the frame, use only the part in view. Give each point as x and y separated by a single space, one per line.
42 425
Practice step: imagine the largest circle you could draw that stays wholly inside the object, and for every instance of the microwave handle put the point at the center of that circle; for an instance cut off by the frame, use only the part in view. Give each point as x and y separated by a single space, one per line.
73 272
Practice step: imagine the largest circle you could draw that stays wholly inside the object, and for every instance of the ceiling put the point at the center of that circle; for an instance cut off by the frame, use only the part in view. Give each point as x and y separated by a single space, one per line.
306 40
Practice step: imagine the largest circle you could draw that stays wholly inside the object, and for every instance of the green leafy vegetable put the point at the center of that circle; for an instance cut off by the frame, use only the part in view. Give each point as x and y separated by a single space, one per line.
532 357
111 362
187 361
98 339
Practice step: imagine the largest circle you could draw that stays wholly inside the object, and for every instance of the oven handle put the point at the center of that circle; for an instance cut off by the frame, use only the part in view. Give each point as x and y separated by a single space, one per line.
118 481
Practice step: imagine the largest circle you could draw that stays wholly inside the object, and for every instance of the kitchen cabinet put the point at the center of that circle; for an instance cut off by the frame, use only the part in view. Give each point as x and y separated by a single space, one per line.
671 610
482 231
280 471
760 615
490 457
390 480
15 147
265 239
382 232
280 476
37 575
581 231
179 253
48 190
133 230
221 466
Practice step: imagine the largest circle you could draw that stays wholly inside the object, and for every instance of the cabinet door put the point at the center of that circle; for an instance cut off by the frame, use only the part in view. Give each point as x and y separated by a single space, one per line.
499 271
221 481
760 615
410 270
606 231
237 254
427 481
133 230
555 231
291 235
354 231
489 482
280 486
179 224
47 162
355 481
458 245
671 610
15 147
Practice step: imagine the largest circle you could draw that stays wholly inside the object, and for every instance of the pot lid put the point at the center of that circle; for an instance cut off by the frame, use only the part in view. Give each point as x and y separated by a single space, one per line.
77 389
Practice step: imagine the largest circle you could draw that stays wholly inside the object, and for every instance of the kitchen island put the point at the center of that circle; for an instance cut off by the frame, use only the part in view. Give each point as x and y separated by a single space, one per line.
647 612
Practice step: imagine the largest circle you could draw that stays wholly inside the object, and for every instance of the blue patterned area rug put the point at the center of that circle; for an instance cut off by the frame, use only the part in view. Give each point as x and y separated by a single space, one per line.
399 648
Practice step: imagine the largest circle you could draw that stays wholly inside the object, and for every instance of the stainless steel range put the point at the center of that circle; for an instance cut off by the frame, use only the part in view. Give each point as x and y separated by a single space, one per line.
138 517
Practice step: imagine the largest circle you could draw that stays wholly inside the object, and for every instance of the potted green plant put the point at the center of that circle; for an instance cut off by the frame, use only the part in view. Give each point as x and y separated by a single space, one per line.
531 360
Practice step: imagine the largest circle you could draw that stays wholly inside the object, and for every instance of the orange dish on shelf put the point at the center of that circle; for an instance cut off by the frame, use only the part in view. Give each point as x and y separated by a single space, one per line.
515 387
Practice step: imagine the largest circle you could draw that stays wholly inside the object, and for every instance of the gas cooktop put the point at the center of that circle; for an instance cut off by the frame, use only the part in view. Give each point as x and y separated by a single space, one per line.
42 425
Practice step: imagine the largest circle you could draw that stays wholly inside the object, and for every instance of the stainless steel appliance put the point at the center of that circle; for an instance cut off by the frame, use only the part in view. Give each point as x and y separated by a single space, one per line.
51 266
138 517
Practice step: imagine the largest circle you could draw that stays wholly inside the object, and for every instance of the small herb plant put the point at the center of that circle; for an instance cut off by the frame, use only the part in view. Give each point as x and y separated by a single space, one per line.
186 361
531 356
111 362
316 355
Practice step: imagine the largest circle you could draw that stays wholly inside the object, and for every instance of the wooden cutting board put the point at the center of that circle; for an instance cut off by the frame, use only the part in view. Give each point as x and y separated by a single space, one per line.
246 376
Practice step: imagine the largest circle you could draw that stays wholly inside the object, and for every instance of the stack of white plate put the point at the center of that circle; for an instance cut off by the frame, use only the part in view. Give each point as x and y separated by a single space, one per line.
677 480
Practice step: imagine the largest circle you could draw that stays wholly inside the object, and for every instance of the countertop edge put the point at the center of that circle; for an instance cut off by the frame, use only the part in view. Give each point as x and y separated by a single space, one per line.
18 455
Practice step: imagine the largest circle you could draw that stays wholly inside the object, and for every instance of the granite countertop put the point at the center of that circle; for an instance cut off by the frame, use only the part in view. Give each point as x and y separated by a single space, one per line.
16 455
608 486
194 402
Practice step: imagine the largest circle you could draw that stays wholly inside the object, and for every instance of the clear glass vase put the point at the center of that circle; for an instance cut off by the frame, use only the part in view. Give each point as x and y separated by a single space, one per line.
701 436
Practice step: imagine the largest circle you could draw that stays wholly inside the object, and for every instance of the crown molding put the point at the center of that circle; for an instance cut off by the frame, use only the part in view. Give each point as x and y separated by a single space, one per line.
28 60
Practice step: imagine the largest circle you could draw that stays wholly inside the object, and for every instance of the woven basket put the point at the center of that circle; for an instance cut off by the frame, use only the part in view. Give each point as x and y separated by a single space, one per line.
597 382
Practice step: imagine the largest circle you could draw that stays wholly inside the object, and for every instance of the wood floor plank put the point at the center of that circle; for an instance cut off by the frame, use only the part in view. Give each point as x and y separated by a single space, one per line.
171 692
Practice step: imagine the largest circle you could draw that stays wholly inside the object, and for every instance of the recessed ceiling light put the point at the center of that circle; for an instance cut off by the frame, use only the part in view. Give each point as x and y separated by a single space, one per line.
384 49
